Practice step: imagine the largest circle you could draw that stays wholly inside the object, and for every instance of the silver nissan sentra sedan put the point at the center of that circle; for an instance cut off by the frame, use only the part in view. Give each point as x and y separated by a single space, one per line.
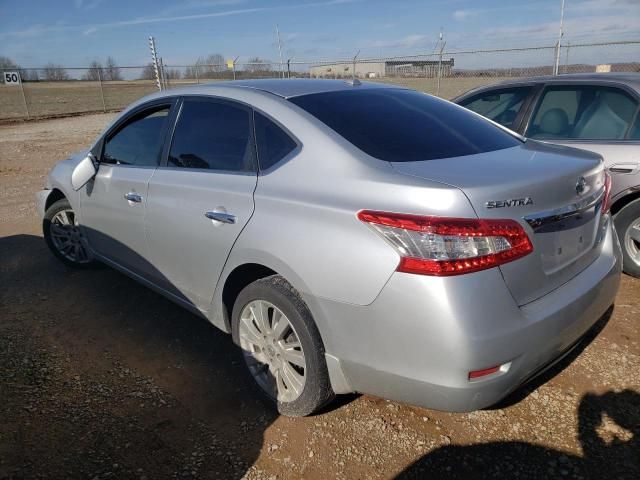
351 237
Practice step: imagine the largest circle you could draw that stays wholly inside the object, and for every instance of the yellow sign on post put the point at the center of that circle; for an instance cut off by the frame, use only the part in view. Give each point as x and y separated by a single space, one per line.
230 64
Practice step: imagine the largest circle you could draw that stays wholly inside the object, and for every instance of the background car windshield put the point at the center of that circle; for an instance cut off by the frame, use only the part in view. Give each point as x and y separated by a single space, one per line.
403 125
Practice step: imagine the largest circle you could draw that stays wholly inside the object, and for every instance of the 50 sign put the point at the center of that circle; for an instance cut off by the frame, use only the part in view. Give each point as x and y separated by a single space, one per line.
11 78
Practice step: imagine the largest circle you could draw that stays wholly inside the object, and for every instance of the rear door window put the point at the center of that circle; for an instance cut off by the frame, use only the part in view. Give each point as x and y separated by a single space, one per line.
501 106
400 125
273 142
582 113
212 135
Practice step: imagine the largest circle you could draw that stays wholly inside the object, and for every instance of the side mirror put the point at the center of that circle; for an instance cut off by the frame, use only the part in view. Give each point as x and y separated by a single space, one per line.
84 171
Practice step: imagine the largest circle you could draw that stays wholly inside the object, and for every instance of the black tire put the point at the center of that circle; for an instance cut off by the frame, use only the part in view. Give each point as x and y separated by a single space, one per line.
60 205
317 391
629 214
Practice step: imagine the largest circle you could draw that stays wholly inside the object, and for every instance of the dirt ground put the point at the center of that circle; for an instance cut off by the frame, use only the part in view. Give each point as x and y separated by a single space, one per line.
101 378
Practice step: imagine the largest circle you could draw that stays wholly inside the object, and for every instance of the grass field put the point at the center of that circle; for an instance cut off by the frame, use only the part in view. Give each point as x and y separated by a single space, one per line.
46 99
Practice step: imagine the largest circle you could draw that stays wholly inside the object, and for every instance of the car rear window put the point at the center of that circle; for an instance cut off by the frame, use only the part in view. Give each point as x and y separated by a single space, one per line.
404 125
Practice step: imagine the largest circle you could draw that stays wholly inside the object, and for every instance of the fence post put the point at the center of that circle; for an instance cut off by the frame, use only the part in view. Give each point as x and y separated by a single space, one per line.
440 69
235 60
154 58
197 78
353 74
163 77
24 97
104 106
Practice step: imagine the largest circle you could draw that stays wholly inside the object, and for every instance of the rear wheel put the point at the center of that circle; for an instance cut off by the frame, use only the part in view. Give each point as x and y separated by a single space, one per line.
281 346
64 236
627 223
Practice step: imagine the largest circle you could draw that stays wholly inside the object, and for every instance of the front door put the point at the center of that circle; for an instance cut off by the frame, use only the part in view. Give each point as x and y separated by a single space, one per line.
199 202
113 203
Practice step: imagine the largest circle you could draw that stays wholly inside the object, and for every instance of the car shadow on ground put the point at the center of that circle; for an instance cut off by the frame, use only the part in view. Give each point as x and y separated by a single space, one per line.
608 432
107 378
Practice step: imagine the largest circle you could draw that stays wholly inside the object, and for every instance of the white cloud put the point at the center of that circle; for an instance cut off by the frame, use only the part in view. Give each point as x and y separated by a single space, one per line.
198 5
87 4
462 15
35 30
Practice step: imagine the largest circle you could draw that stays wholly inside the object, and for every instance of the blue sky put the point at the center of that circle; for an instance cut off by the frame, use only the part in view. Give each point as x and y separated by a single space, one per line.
75 32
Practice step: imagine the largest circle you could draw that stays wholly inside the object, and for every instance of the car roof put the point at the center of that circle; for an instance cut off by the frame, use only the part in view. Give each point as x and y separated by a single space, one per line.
287 87
630 79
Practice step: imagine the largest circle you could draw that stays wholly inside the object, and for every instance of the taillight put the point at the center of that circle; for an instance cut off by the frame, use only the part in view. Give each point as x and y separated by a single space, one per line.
606 201
444 246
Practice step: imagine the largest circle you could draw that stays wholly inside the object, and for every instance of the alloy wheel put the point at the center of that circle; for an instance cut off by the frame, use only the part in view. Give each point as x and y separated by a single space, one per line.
632 241
272 350
67 237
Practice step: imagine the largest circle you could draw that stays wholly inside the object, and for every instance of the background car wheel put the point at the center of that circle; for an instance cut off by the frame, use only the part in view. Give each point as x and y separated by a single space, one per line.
64 237
627 223
281 346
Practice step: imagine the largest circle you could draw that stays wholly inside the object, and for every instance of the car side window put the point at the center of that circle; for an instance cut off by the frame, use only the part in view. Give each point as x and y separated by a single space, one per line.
212 135
139 141
501 106
582 113
273 142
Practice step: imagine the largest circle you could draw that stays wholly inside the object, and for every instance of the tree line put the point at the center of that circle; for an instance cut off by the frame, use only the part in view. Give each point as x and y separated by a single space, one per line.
53 72
211 66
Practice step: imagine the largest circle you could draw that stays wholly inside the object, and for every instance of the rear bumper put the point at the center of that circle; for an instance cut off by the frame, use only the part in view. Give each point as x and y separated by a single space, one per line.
418 341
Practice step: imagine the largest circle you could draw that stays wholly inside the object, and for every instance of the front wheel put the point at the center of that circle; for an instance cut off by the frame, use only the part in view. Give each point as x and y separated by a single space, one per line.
627 223
281 346
64 236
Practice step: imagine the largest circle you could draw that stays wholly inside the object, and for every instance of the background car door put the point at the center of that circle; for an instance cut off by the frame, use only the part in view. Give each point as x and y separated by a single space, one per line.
592 117
113 203
201 199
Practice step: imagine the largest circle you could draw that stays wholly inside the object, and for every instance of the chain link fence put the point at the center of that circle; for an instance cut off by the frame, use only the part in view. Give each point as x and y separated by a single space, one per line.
57 91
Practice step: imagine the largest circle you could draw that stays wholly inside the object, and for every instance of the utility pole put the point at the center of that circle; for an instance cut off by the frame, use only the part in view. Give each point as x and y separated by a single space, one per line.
560 33
280 51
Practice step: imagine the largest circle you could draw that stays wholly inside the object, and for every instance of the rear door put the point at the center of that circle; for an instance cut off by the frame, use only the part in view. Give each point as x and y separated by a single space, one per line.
200 199
596 117
113 203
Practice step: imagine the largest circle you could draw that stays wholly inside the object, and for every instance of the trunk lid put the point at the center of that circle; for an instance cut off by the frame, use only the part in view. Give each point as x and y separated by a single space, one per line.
537 185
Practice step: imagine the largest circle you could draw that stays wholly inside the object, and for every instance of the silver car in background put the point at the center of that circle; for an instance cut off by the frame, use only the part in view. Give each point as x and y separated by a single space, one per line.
597 112
351 237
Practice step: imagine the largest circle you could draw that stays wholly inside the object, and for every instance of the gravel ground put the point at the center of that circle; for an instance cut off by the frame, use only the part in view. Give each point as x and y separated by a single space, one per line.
101 378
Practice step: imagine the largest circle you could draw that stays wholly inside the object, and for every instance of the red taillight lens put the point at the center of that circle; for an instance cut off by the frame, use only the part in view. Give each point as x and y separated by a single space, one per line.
444 246
606 201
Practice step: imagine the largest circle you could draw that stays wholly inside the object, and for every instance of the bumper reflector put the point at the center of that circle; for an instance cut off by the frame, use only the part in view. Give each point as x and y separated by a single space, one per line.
484 372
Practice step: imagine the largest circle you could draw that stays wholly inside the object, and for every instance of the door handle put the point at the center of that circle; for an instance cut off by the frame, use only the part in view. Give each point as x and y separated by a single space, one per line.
221 217
133 197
